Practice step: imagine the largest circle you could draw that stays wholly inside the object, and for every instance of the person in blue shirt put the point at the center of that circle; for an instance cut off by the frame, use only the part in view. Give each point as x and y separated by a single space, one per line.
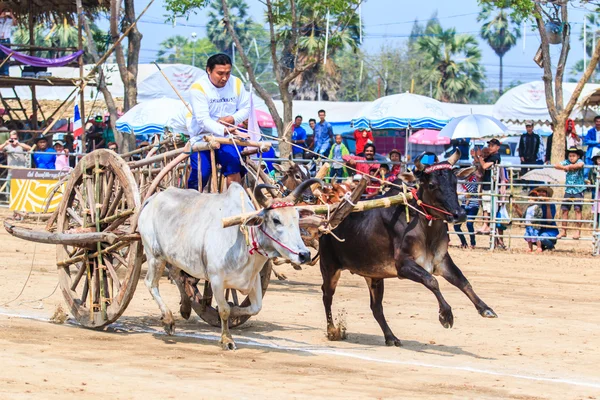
44 157
298 138
548 231
323 135
592 140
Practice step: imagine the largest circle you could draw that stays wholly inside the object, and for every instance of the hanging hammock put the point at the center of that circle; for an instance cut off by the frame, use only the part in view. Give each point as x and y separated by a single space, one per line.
38 61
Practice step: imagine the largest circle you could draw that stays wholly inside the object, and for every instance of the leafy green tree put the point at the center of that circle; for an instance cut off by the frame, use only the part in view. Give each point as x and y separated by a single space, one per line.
592 25
172 49
500 31
451 63
241 22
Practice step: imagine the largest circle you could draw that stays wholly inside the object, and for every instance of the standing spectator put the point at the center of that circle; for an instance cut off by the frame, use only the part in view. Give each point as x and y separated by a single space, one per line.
62 157
575 187
470 204
592 178
592 140
362 137
323 134
571 135
7 21
487 162
548 157
44 157
107 134
338 151
15 151
533 216
4 131
529 146
548 230
396 157
298 138
93 137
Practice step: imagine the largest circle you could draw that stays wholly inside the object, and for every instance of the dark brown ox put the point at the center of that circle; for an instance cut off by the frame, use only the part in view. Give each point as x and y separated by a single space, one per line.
382 243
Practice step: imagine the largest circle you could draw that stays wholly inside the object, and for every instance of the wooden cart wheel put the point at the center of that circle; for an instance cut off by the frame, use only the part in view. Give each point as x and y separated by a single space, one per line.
209 314
98 280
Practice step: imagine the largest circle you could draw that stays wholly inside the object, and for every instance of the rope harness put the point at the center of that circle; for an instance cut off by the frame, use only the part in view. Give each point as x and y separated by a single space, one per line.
255 246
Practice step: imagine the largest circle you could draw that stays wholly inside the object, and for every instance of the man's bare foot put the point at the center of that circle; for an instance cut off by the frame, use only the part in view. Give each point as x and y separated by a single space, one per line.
539 250
576 236
530 250
561 235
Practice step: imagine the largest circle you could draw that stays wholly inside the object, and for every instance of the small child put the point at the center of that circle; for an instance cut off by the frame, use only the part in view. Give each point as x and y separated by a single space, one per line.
533 215
338 150
575 187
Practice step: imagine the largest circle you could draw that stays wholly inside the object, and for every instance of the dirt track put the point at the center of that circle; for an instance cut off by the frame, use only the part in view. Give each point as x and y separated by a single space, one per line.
544 345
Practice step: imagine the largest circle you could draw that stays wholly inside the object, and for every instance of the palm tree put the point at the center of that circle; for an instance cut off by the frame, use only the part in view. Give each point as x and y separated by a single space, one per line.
500 31
172 49
242 24
21 36
454 80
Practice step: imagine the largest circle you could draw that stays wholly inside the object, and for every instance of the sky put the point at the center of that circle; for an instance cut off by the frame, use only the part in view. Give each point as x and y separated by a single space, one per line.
381 26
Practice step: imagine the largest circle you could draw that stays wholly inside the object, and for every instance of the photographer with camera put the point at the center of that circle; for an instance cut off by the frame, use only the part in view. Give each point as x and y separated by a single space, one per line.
15 151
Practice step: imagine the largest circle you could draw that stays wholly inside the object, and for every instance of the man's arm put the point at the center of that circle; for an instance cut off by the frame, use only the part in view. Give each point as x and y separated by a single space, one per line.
204 123
301 138
3 145
589 136
521 148
243 105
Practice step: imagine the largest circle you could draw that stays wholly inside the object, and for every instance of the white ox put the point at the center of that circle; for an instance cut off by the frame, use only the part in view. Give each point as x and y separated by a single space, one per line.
183 228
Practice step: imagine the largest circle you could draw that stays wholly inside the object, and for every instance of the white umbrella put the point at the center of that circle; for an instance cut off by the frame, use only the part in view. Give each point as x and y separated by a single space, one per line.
151 117
474 126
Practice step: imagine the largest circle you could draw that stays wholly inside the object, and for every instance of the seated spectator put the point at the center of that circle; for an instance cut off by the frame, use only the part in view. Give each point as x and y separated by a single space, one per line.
548 230
108 136
395 156
62 157
43 157
369 167
113 146
470 203
15 150
575 182
533 215
338 151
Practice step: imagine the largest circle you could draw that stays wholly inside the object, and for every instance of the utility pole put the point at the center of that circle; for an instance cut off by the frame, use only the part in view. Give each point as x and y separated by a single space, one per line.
194 48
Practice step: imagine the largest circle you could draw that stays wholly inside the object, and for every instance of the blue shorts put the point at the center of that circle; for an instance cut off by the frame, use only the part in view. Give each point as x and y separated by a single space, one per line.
226 156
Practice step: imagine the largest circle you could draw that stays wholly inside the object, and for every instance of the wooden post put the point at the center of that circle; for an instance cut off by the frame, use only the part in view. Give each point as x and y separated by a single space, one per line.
81 76
34 125
213 177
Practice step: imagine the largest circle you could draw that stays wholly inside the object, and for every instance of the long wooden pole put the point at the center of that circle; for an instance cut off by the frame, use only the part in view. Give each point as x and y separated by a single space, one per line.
81 76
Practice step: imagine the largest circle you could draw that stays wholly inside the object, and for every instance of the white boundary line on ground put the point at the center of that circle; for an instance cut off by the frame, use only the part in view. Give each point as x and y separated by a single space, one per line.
325 351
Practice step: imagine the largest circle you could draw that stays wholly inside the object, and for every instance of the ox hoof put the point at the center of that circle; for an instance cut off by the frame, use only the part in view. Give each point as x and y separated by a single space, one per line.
447 319
488 313
228 345
169 328
297 267
393 342
336 334
185 310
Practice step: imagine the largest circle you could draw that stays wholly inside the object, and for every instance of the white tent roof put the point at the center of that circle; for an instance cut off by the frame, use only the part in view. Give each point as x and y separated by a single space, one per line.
156 86
528 102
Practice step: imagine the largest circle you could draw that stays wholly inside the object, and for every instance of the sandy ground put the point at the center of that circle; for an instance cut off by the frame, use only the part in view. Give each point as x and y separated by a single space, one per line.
544 345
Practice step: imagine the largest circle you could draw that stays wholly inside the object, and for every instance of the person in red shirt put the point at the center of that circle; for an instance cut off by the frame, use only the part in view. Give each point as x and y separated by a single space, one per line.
362 137
395 156
366 168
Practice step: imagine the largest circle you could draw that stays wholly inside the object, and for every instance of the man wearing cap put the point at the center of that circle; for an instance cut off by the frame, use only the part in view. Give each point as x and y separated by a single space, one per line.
487 163
548 230
529 146
43 157
575 183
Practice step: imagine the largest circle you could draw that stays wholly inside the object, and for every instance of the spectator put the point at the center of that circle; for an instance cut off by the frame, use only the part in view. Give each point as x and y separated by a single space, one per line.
592 140
367 168
43 157
487 160
93 137
338 151
575 188
592 178
108 135
15 150
548 157
298 138
62 157
529 146
362 137
533 216
113 146
385 173
571 135
547 231
7 22
395 156
470 204
323 134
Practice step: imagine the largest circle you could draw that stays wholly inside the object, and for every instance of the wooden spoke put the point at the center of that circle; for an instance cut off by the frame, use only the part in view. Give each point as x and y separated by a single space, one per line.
78 276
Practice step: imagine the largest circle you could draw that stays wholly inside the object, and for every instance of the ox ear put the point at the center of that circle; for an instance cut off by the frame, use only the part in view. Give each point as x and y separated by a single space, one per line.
283 168
463 173
256 220
407 177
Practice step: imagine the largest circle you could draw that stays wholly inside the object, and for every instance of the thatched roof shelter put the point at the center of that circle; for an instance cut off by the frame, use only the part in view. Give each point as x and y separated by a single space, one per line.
44 10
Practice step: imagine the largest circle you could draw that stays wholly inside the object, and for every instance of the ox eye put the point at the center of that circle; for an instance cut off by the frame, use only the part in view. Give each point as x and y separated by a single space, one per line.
276 221
297 177
432 185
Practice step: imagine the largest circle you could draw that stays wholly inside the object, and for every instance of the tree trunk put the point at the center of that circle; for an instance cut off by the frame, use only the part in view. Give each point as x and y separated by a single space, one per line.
559 141
285 149
500 90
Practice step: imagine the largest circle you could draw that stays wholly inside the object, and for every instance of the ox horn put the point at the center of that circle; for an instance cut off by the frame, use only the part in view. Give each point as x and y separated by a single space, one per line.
454 157
418 165
297 193
260 197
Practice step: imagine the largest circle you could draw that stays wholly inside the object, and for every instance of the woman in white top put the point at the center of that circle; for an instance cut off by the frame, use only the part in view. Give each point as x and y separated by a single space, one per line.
219 103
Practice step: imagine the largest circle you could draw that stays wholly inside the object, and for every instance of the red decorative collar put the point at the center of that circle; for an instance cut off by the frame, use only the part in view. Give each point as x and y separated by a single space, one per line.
437 167
281 204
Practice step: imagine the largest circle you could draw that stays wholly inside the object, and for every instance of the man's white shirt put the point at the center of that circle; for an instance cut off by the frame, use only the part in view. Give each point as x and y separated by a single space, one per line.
210 103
